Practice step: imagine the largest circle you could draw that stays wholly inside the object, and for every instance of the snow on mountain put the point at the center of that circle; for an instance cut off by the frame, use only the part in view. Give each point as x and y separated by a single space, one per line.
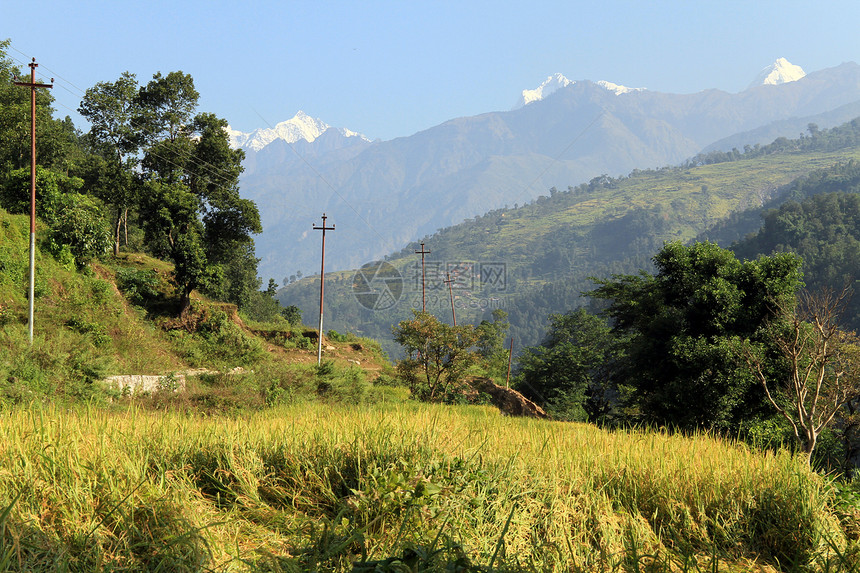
301 126
618 90
551 84
557 81
780 72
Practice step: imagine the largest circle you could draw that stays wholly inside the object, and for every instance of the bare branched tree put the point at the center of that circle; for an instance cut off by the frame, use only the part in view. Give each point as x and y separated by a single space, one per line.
823 360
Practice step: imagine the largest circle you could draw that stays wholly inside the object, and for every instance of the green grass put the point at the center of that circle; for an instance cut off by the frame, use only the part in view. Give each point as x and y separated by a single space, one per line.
118 317
323 487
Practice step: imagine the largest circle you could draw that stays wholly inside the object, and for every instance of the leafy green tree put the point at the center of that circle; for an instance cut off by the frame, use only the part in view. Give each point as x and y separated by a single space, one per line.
192 211
82 228
571 372
167 106
113 110
491 343
292 314
683 324
175 232
229 220
438 355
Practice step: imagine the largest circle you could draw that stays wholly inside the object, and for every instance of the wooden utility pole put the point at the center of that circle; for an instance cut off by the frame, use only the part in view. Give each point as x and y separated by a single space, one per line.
322 286
448 281
422 252
32 85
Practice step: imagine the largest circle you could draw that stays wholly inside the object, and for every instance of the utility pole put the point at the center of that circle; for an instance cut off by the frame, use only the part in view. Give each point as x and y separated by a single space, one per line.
448 281
32 85
422 252
322 285
510 358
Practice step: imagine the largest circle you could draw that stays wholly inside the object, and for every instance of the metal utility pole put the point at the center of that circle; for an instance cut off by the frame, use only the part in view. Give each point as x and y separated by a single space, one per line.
448 281
32 85
322 285
422 252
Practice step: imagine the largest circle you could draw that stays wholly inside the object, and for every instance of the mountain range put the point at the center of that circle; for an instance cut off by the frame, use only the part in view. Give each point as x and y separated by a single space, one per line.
383 194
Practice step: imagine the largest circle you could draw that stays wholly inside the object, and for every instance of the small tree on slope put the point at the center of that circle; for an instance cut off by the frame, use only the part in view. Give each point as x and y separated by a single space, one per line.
824 364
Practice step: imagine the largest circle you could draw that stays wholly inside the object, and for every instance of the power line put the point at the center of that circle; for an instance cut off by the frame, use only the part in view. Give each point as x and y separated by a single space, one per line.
213 170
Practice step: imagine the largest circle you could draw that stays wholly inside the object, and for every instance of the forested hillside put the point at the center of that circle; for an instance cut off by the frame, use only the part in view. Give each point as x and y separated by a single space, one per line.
820 221
548 250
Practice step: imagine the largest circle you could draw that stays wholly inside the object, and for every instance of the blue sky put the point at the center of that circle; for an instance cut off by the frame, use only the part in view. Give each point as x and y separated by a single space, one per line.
390 69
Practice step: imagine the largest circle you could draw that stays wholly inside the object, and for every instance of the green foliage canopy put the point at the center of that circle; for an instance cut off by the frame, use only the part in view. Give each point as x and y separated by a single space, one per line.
570 372
438 355
684 323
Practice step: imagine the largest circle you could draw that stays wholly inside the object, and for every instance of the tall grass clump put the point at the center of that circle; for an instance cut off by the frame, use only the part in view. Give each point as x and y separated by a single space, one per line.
406 487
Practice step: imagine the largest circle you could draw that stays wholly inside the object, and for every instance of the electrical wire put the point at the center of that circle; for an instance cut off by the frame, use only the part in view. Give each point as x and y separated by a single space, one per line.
212 170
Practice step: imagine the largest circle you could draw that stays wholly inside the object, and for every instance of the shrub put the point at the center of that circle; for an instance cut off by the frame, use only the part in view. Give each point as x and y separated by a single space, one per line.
292 314
338 337
138 285
80 227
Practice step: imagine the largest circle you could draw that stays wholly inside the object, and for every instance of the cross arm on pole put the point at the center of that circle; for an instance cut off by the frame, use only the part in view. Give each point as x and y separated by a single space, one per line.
323 227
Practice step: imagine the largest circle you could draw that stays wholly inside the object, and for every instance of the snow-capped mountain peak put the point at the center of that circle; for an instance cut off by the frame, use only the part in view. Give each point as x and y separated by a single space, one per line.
780 72
301 126
557 81
551 84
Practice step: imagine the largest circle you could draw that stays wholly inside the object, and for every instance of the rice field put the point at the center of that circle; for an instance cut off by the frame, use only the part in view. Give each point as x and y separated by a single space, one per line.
408 487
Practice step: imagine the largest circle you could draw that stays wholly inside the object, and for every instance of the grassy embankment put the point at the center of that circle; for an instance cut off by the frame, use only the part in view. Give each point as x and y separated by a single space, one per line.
118 317
399 488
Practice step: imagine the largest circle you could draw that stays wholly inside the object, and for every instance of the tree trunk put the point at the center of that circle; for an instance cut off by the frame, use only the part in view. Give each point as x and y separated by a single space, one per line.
116 233
809 445
184 302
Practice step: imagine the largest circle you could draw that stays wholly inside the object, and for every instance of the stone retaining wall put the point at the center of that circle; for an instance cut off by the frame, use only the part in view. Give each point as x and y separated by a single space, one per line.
140 383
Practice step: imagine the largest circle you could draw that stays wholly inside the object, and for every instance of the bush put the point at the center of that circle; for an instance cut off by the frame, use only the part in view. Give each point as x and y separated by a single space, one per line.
51 186
80 230
338 337
261 307
207 337
138 285
292 314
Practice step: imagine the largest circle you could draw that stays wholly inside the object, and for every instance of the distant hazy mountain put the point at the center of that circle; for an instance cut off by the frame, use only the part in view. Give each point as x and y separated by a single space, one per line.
557 81
383 194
